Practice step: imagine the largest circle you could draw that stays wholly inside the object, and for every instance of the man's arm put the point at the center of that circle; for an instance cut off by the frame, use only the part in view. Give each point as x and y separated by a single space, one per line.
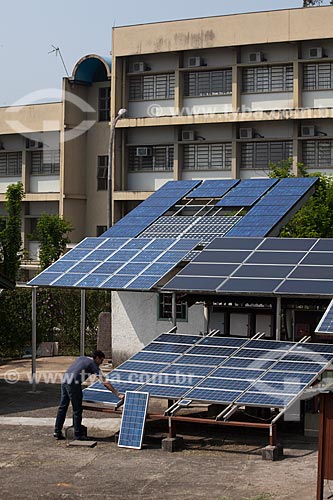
110 387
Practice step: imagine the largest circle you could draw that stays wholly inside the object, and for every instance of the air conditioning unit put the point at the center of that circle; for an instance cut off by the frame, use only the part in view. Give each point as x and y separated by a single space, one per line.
246 133
315 52
194 62
138 67
255 57
144 151
188 135
308 131
31 144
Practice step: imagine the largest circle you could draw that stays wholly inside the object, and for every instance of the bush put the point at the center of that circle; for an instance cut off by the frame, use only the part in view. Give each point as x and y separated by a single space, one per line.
58 319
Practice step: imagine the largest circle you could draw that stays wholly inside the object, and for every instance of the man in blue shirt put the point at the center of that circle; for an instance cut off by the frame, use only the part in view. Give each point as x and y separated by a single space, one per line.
71 390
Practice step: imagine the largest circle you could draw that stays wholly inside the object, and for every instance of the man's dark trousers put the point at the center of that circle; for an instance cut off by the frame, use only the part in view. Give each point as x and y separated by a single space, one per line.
70 392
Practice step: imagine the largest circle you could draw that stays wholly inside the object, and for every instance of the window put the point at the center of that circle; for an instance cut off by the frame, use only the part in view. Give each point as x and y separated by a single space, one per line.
268 79
10 164
149 87
45 162
207 156
207 83
100 230
317 76
260 154
165 307
160 158
104 104
102 173
316 154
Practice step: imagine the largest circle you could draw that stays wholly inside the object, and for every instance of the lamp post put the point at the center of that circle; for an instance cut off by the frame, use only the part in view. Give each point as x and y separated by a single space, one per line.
121 113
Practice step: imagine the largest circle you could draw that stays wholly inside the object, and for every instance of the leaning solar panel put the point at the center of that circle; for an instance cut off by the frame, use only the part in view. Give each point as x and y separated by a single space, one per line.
286 193
246 193
326 323
133 420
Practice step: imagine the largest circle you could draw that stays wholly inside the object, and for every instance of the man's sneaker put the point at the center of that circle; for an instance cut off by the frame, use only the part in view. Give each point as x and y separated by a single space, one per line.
58 435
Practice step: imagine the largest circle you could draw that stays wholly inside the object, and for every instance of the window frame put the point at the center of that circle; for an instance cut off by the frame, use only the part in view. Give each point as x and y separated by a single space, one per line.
161 160
196 81
104 103
151 87
255 150
43 167
267 79
10 163
164 308
209 153
102 180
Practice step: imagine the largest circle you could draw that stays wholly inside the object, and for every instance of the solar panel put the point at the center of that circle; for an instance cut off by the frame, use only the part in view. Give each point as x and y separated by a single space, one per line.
213 188
214 396
326 323
165 391
133 420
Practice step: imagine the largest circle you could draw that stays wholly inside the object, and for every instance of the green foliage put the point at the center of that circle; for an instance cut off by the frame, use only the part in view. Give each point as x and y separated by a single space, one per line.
315 218
10 235
284 169
58 319
52 233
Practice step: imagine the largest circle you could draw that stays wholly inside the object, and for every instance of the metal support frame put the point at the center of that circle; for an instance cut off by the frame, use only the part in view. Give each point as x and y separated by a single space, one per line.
174 309
34 337
83 322
278 318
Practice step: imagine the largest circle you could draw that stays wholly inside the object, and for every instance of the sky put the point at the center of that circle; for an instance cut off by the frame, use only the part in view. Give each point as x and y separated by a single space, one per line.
80 27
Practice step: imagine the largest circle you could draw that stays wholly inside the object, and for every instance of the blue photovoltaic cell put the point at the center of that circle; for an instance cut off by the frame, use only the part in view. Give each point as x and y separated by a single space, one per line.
234 373
253 364
227 384
278 387
117 376
89 243
308 356
99 396
249 285
306 287
271 344
155 356
171 256
118 281
315 348
133 269
223 341
84 267
194 371
213 188
176 337
158 269
61 266
143 366
161 244
175 380
75 254
113 243
288 377
107 268
143 282
299 367
122 255
98 255
137 243
272 400
146 256
258 353
201 360
92 281
69 279
212 351
44 278
218 396
133 420
163 391
164 347
185 244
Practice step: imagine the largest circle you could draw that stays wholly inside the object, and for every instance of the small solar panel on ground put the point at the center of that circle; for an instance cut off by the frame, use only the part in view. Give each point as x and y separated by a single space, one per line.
133 419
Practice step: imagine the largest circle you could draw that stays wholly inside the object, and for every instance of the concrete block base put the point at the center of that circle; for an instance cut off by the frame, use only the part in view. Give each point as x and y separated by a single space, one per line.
172 444
272 453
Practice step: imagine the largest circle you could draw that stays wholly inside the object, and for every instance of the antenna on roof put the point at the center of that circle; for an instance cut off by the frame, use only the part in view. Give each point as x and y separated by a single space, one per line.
58 51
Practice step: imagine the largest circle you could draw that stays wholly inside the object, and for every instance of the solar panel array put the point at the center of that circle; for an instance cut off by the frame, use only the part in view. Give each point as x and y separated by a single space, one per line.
204 229
213 188
326 323
273 207
246 193
133 420
260 266
149 210
219 370
116 263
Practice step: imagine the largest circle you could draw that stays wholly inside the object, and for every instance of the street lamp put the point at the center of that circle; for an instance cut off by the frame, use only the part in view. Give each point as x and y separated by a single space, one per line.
121 113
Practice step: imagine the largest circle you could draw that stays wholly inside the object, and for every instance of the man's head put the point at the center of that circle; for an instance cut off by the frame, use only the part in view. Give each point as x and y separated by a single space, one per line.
98 357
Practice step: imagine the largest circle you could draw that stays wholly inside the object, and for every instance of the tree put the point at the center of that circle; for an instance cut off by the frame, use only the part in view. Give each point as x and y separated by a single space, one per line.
315 218
52 233
10 235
